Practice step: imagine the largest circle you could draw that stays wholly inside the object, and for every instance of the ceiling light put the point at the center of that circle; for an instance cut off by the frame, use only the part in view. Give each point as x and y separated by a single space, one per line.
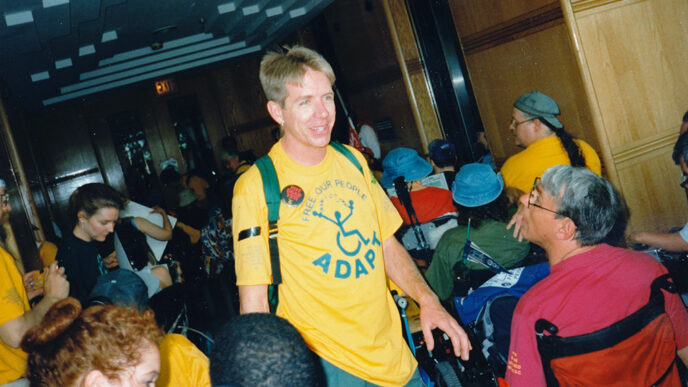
40 76
226 8
87 50
109 36
62 63
13 19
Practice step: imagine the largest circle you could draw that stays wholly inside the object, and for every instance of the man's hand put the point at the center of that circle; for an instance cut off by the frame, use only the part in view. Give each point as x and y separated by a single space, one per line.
515 222
433 315
55 283
33 284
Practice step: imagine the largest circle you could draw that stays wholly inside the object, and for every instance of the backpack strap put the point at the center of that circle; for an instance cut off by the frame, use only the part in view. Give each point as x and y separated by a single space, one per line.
346 152
271 189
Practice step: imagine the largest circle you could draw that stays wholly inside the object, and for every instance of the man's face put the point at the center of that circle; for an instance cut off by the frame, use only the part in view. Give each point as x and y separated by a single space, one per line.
523 128
308 113
5 206
231 163
538 224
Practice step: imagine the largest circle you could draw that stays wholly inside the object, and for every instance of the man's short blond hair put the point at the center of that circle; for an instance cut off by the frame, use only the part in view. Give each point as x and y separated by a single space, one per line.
289 66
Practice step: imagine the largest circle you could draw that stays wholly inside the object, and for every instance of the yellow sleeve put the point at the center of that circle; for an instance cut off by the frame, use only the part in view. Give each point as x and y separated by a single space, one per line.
182 364
13 300
250 230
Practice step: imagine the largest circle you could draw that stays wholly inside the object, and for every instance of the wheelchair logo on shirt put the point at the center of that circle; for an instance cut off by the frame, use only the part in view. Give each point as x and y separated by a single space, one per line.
350 242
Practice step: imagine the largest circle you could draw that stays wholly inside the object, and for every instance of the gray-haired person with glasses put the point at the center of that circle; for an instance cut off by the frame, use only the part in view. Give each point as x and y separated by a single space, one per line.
673 241
592 286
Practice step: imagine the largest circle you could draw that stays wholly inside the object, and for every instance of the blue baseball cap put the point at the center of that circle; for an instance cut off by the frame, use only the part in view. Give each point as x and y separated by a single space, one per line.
403 162
476 184
121 287
442 151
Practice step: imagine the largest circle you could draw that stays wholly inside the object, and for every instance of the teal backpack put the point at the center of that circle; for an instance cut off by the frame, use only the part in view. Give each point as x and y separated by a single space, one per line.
273 197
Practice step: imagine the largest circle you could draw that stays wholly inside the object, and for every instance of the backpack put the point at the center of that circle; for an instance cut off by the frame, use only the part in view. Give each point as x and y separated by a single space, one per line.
271 188
647 331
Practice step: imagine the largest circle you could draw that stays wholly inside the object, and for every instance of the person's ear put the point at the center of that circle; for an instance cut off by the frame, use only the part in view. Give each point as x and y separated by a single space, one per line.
275 111
81 216
566 230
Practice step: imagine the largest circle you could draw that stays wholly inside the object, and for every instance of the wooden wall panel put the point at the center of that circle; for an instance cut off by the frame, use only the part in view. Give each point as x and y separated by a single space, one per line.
648 192
637 66
539 58
368 70
633 56
408 57
480 15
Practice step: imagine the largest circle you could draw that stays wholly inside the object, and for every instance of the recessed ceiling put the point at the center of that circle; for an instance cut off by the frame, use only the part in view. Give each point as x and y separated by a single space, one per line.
58 50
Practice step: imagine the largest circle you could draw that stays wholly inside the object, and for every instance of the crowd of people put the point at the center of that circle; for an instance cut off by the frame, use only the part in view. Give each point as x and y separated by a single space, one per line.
323 252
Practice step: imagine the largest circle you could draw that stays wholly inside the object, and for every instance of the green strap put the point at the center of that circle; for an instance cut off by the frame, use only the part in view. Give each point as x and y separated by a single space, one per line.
272 199
270 186
346 152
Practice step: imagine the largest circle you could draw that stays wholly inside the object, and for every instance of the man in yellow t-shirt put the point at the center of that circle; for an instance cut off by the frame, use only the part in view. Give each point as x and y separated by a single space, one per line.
15 315
336 239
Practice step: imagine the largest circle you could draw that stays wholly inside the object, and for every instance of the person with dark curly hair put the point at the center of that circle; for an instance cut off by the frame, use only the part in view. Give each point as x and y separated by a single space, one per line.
99 346
481 202
261 349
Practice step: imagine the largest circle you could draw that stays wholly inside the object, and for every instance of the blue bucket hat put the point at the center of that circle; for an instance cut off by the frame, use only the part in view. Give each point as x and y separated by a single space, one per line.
476 184
539 105
403 162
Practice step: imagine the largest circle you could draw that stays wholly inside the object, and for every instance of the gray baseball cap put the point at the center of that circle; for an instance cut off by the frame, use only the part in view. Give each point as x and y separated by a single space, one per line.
539 105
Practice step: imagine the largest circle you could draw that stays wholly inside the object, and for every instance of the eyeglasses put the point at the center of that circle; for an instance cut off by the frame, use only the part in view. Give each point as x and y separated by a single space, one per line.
534 193
5 199
515 123
684 181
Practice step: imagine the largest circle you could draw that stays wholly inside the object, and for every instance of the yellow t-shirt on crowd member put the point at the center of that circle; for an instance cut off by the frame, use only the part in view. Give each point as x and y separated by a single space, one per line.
13 303
520 170
333 220
182 364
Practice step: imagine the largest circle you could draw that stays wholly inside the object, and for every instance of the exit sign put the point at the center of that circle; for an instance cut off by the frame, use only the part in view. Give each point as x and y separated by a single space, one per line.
165 86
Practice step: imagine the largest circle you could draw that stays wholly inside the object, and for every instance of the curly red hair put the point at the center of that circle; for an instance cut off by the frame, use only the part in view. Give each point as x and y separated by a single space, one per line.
68 343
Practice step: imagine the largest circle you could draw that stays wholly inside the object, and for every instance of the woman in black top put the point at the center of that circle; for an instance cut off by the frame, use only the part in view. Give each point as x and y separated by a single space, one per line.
94 209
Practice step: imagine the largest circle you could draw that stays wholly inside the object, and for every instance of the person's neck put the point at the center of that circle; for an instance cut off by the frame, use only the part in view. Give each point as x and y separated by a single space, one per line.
303 155
79 233
563 251
416 185
542 136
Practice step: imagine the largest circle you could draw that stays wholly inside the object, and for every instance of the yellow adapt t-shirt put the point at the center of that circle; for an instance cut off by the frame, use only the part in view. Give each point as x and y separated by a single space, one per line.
521 169
334 285
13 303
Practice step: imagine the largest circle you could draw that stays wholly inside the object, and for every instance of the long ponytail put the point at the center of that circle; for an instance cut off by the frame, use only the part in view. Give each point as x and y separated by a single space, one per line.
575 155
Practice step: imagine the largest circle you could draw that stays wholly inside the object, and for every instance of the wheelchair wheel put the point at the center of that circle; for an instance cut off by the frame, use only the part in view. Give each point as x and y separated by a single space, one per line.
445 376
